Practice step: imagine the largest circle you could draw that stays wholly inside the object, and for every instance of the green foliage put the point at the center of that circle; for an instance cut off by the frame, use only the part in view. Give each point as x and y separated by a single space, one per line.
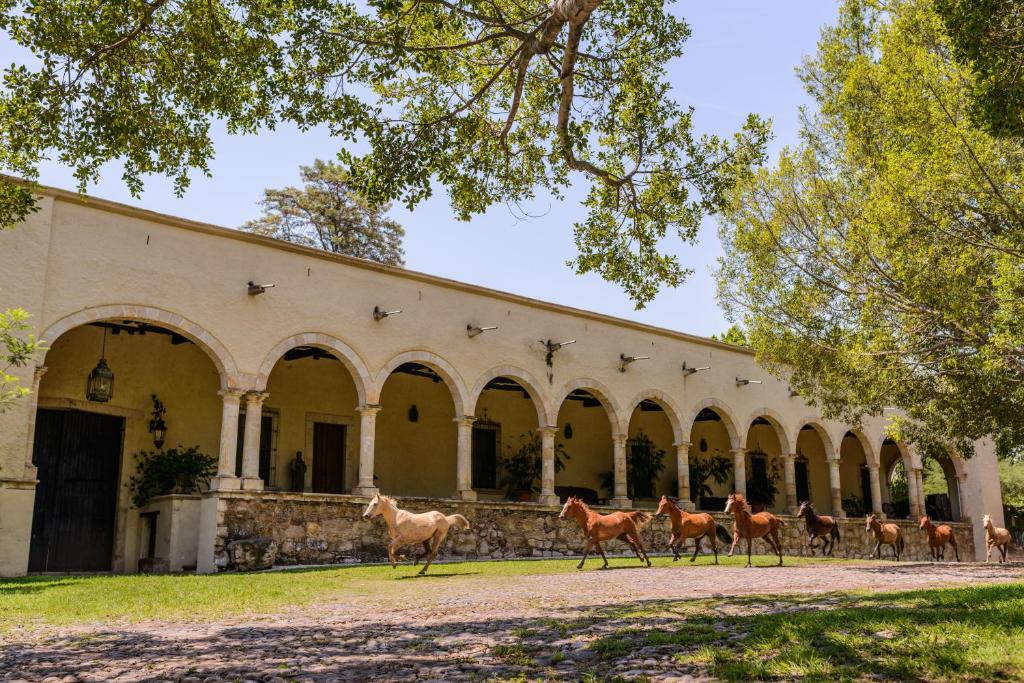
853 506
734 335
987 36
495 100
327 213
1011 475
175 470
644 464
522 467
763 487
715 468
18 346
881 262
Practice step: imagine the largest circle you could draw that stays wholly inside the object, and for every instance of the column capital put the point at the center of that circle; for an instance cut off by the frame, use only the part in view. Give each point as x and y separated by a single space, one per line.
683 444
256 397
788 456
368 409
548 429
738 451
620 439
231 395
832 461
38 373
464 420
873 466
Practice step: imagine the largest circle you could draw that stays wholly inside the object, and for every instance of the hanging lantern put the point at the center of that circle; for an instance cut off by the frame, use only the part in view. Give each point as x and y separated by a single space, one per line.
100 385
414 413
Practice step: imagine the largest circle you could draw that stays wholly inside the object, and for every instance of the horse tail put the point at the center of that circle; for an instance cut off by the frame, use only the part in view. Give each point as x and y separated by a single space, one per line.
723 532
457 521
835 532
639 518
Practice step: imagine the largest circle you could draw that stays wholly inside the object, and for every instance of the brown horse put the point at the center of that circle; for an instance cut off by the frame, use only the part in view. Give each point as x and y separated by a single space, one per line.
819 526
996 537
624 526
696 526
749 526
938 537
889 534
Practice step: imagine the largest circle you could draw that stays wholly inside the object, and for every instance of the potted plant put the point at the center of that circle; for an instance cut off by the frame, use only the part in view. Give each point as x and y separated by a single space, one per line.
644 464
175 470
521 468
715 468
762 483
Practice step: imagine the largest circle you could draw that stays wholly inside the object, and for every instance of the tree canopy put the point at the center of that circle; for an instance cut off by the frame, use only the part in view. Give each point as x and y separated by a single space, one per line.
326 213
881 262
495 100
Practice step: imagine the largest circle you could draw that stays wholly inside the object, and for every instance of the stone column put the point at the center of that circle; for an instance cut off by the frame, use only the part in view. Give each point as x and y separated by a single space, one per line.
251 440
789 482
739 470
620 500
876 491
31 471
683 474
913 493
836 488
547 471
226 479
464 459
367 444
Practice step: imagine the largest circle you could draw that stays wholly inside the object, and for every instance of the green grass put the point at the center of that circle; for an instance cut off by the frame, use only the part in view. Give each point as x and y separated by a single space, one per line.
516 654
956 634
118 598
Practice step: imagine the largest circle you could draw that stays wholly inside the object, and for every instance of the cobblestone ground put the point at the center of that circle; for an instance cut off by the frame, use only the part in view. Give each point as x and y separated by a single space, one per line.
445 628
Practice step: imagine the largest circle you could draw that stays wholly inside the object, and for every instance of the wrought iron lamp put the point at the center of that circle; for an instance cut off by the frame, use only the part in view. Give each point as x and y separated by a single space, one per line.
100 385
157 426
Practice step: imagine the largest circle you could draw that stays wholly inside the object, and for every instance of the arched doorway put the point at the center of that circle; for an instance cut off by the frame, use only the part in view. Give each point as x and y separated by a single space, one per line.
765 477
855 475
812 470
651 452
85 450
895 485
585 433
941 488
506 442
711 463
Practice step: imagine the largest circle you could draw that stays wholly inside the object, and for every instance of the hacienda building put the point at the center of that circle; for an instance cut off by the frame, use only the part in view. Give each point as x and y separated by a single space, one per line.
383 379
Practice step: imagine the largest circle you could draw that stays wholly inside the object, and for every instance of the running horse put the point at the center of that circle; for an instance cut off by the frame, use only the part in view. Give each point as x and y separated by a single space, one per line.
750 526
889 534
938 537
624 526
819 526
686 525
407 528
996 537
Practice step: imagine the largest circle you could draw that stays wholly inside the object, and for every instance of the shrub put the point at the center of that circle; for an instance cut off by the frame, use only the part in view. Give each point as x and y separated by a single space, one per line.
175 470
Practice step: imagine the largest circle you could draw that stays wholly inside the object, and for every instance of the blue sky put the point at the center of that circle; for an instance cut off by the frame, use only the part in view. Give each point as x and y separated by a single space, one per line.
740 59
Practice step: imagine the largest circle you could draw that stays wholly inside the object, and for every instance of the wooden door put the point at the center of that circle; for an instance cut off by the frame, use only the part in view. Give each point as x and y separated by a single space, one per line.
328 458
803 482
78 455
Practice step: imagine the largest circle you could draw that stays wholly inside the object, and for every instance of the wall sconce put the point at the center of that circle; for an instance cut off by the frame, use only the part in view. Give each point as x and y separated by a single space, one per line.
551 347
687 371
255 289
703 445
473 330
414 413
567 431
745 382
625 360
157 426
379 314
99 387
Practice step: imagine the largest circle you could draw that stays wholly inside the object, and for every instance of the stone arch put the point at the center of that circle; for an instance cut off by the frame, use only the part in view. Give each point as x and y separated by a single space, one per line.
778 424
871 457
667 404
545 414
230 378
337 348
600 392
724 412
826 440
445 370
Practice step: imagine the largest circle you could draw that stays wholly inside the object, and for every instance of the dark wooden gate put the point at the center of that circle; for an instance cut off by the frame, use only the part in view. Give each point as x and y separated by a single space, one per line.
78 455
328 458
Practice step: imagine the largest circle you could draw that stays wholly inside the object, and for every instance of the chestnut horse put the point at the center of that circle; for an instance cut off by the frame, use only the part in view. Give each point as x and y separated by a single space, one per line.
996 537
696 526
624 526
938 537
749 526
890 534
819 526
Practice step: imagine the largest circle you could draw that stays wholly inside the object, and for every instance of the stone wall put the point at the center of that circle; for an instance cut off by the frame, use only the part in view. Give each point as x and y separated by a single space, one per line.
325 529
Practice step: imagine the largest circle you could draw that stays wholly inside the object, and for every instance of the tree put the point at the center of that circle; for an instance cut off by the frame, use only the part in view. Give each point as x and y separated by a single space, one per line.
881 262
734 335
17 347
326 213
492 99
988 36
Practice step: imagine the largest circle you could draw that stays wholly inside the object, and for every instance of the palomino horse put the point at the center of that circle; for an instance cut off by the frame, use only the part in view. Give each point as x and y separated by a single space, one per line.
889 534
624 526
696 526
938 537
819 526
405 528
749 526
996 537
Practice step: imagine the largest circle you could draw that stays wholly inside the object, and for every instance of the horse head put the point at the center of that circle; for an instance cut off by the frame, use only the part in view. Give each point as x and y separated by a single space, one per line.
735 502
869 522
986 522
925 522
663 506
805 507
570 503
373 508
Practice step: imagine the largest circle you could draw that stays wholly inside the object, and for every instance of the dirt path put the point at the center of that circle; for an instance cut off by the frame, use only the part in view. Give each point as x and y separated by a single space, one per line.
441 628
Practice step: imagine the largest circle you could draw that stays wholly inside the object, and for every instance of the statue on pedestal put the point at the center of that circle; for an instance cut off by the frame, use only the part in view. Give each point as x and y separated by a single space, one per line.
298 469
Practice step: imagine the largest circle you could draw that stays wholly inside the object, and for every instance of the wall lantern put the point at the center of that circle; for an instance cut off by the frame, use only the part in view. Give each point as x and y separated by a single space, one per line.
625 360
157 426
414 413
703 445
567 432
687 370
100 385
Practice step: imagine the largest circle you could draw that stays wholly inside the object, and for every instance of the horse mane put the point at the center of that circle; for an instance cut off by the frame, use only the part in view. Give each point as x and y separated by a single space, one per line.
391 501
